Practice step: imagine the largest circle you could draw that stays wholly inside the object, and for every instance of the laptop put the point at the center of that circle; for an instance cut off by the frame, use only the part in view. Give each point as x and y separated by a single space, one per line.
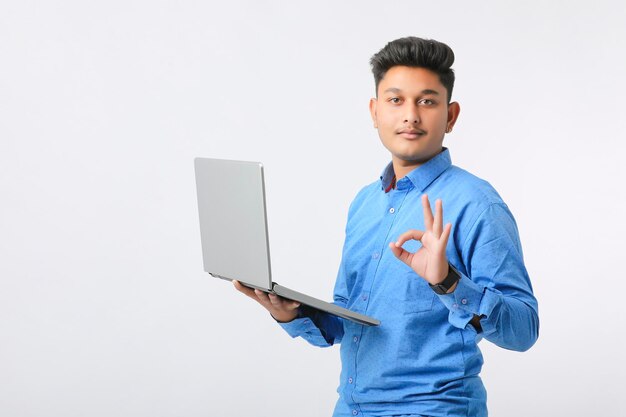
233 230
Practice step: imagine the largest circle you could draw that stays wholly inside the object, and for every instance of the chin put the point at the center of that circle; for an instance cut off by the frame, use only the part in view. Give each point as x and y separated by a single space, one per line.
414 158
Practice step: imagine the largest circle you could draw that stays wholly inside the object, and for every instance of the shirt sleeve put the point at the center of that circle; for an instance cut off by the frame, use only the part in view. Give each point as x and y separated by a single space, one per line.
316 327
494 283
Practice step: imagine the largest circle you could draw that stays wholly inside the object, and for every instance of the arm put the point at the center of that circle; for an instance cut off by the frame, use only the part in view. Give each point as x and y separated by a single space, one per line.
495 285
494 293
316 327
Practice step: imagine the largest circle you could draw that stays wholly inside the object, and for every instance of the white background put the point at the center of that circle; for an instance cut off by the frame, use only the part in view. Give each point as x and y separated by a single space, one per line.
104 307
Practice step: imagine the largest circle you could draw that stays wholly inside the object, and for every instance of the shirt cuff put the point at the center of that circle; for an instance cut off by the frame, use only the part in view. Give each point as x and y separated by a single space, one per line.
467 299
298 326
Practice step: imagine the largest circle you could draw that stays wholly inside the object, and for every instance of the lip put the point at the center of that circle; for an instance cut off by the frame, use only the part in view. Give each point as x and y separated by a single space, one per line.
411 133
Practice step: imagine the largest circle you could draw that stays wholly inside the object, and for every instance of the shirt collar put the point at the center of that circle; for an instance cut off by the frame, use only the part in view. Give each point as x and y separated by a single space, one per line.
422 176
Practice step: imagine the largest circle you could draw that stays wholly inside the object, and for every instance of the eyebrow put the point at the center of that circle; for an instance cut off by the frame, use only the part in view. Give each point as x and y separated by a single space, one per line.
397 90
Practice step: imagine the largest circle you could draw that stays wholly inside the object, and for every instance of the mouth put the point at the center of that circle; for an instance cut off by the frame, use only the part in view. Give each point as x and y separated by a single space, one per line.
411 133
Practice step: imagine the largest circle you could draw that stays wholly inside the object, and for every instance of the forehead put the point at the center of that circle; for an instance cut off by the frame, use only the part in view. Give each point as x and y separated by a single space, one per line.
410 80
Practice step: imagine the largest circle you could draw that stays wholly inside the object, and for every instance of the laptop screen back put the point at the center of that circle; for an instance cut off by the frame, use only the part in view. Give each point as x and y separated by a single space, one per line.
233 225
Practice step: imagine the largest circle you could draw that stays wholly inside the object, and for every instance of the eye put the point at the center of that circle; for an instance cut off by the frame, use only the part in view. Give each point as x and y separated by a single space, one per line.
395 100
426 102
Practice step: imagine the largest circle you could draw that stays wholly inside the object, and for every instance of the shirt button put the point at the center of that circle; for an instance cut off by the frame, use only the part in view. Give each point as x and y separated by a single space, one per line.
392 210
364 297
306 321
464 301
376 255
355 412
455 305
355 339
350 380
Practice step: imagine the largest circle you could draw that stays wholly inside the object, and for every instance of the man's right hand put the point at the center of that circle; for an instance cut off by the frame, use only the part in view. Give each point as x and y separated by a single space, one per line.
282 309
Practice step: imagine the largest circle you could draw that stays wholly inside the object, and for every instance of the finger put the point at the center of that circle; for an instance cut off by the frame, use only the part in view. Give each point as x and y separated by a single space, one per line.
408 235
275 300
446 234
438 221
263 298
245 290
292 305
283 303
428 213
403 255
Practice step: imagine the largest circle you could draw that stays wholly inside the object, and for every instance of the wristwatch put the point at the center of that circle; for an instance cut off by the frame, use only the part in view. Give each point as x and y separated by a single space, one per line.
452 278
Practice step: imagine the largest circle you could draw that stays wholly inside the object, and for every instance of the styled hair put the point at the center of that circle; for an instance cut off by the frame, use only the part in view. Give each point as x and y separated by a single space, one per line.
418 53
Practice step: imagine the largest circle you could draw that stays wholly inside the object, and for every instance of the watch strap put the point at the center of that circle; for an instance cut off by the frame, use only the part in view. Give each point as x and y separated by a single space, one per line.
452 278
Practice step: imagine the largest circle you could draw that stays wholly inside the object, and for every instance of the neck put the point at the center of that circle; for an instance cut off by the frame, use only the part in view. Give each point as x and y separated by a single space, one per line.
401 168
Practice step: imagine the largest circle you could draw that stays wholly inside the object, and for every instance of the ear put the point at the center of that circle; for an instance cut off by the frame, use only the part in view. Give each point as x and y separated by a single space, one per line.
373 104
453 113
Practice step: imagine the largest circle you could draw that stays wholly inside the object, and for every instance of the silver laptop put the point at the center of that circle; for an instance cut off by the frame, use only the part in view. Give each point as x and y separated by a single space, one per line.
233 229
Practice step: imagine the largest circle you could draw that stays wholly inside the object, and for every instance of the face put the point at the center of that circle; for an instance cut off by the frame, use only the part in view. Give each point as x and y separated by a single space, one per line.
412 116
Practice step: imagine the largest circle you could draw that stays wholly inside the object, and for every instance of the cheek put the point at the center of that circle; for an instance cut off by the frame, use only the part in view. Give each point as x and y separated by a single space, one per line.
443 119
437 122
386 119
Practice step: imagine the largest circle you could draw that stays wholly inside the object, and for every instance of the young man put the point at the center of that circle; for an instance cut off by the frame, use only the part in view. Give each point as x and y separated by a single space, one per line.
438 290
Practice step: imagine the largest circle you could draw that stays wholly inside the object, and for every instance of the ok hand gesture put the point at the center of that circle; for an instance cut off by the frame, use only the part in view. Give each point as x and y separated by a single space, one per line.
430 260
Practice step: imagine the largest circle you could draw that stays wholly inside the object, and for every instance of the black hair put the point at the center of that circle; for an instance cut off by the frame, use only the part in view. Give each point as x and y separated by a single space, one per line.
419 53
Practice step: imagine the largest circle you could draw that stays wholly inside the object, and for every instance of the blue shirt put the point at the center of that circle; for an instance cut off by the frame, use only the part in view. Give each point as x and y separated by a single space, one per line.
424 357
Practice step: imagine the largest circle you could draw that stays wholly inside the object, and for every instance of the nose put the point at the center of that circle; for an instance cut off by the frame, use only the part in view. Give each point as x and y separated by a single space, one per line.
411 114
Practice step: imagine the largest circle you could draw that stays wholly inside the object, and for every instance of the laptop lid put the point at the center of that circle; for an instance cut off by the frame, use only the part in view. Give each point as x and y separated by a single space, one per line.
233 225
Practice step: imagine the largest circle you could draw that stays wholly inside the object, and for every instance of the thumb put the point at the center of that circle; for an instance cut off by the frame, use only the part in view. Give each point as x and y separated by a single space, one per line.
400 253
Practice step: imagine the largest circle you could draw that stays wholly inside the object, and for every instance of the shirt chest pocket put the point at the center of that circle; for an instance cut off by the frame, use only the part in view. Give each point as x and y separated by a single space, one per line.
418 296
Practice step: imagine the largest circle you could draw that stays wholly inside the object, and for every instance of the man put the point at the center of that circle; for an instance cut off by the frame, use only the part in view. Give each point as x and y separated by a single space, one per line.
438 290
